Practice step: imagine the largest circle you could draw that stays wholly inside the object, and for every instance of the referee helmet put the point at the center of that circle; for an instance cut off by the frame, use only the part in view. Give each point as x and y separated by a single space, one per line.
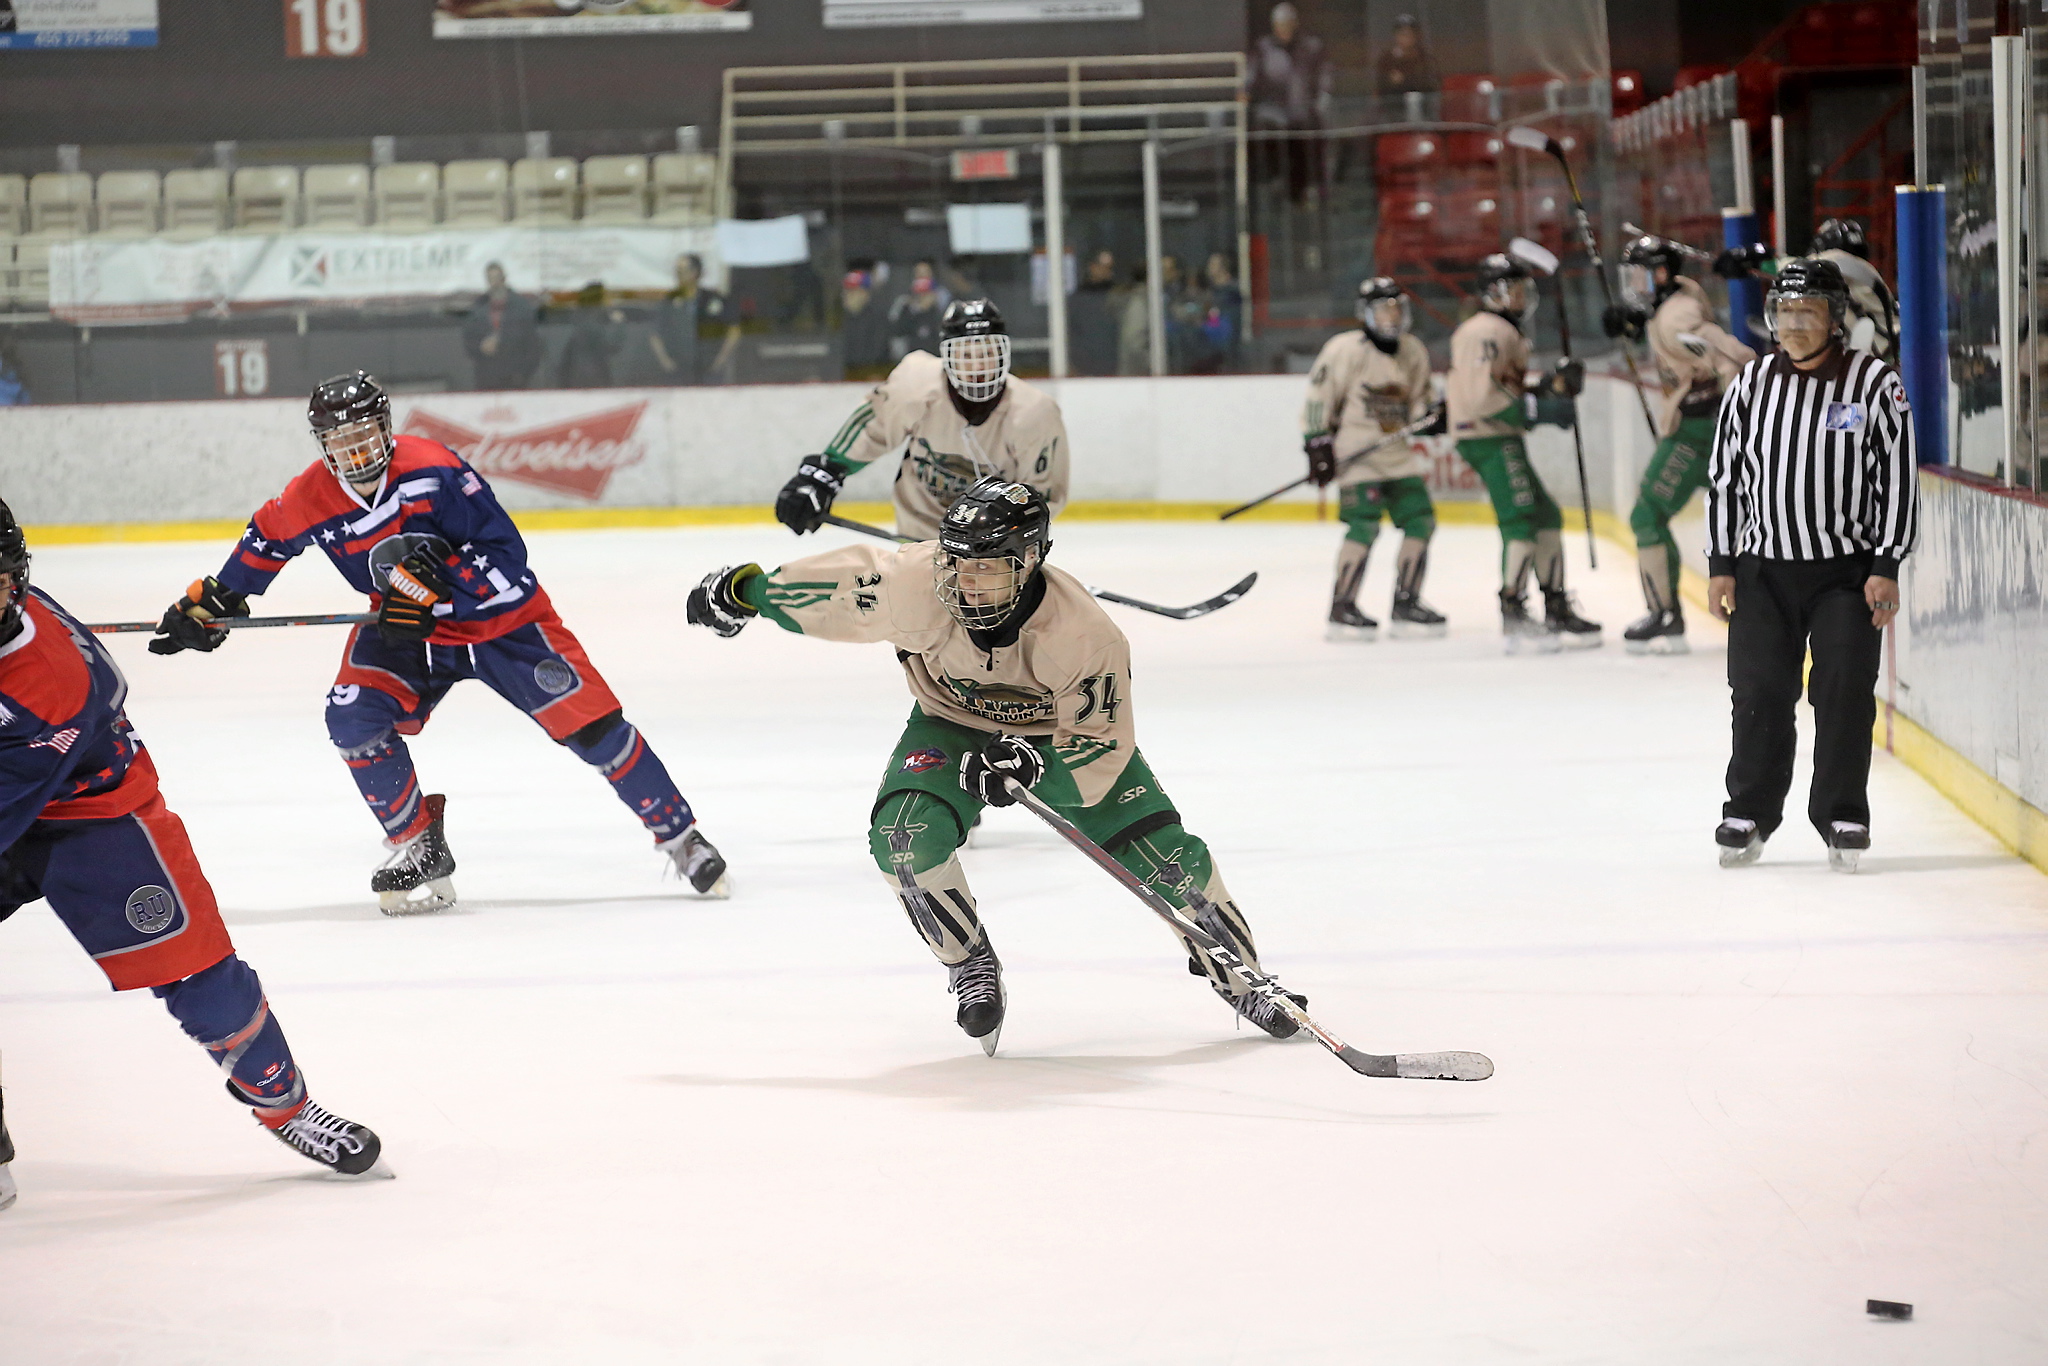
1809 278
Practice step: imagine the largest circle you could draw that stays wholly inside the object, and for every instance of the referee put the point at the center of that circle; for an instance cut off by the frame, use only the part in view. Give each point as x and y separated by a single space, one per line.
1812 501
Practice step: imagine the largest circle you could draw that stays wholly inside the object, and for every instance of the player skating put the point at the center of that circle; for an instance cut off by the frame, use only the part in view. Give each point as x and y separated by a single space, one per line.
1695 360
1488 395
407 521
1017 673
1366 385
83 826
959 415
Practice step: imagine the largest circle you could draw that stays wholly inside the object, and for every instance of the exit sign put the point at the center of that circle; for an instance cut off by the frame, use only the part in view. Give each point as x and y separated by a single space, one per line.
999 163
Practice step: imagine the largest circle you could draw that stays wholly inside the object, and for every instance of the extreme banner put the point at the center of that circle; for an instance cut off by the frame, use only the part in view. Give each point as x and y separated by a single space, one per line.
77 23
585 18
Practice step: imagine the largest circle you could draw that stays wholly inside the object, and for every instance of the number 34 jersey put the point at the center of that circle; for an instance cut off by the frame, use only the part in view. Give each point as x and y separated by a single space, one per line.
1066 676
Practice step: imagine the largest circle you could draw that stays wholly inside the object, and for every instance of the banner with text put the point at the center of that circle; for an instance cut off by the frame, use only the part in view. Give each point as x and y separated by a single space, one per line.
77 23
939 13
586 18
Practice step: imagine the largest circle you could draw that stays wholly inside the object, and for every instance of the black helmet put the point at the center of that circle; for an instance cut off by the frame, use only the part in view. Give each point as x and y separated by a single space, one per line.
1841 234
1496 273
1639 262
1382 289
351 419
1808 277
974 344
14 558
997 519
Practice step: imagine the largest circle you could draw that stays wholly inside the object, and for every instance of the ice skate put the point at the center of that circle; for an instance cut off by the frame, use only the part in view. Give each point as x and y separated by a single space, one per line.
1348 623
342 1146
415 879
1660 633
1741 842
699 863
1846 842
977 980
1261 1011
1520 631
1414 619
1561 614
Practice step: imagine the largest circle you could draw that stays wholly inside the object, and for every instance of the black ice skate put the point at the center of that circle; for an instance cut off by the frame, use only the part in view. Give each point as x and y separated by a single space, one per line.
7 1191
699 863
1846 842
415 879
1413 619
1660 633
340 1145
1741 842
1561 614
1520 631
977 980
1261 1011
1348 623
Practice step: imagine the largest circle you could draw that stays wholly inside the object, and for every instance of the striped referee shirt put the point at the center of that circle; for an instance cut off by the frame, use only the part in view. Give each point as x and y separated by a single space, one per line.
1813 465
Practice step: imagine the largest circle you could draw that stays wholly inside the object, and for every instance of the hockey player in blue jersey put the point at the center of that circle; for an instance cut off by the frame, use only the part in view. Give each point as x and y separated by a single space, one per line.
83 826
407 521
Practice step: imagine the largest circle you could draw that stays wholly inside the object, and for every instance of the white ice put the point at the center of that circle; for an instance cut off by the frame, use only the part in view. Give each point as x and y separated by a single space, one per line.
630 1126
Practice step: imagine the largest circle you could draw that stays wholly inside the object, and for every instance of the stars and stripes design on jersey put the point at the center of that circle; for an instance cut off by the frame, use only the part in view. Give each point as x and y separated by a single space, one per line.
62 741
1813 465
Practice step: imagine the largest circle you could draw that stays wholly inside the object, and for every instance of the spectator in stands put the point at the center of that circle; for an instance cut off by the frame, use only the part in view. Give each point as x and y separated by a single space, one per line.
694 334
1184 303
1092 318
502 335
1222 321
1133 329
1406 64
914 316
863 326
597 330
13 391
1288 82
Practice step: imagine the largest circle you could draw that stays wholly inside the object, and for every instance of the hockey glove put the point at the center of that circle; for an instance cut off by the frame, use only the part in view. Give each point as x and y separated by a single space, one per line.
190 623
1439 421
1568 378
411 590
1322 458
805 499
717 603
982 772
1622 320
1739 263
1556 410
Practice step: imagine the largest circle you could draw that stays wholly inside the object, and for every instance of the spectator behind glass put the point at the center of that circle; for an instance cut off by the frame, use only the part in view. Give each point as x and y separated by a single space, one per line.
1222 321
1133 332
863 326
596 332
1406 64
502 335
689 320
1183 312
914 316
1092 319
1288 82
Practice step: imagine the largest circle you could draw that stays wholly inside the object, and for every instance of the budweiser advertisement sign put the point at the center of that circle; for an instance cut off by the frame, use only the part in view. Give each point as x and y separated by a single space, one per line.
574 455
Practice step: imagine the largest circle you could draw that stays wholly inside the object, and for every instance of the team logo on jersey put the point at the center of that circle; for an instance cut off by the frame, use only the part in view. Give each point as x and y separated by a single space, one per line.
554 676
576 455
62 741
947 475
1844 417
151 908
925 760
1007 702
392 549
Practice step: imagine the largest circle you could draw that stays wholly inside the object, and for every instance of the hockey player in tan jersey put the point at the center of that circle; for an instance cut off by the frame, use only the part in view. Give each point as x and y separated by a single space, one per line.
1016 673
965 418
1487 395
1365 385
1695 360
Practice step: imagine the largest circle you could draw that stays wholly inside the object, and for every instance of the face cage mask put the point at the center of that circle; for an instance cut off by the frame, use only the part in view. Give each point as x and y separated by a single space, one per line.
356 452
977 366
1639 286
1772 300
1373 315
1498 295
998 589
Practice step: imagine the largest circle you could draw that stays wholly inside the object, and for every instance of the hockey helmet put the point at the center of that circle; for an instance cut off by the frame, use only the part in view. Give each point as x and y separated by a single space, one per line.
1639 262
1383 309
1506 287
1808 277
1841 234
14 561
974 344
992 543
351 419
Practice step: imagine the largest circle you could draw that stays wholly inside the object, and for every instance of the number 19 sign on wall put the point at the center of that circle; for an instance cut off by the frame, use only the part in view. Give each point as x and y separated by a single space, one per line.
325 28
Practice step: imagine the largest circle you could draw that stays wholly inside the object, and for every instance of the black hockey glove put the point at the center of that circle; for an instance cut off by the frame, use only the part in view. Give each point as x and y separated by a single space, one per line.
1568 378
1624 320
806 498
190 622
1556 410
1322 458
717 603
411 590
982 772
1738 263
1439 421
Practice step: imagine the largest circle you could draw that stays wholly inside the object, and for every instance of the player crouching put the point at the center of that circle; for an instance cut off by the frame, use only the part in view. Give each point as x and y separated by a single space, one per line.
1017 673
407 521
83 826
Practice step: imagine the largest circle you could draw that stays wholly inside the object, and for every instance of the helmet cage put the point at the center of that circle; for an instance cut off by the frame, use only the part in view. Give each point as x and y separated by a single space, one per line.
980 592
977 365
1639 284
358 451
1497 296
1838 307
1386 319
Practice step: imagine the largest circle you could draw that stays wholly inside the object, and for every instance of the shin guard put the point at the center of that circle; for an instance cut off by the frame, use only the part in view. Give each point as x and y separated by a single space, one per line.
223 1009
614 747
1549 560
1412 565
1351 561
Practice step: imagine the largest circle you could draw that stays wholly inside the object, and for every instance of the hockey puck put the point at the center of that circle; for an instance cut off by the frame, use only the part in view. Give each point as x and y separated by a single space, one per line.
1888 1309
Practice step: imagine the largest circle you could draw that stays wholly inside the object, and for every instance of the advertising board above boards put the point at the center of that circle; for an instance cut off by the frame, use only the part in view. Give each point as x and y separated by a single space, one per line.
939 13
586 18
31 24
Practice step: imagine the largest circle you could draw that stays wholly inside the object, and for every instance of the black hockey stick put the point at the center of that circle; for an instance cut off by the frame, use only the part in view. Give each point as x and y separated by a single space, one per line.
1524 250
1412 429
115 628
1200 609
1536 140
1424 1066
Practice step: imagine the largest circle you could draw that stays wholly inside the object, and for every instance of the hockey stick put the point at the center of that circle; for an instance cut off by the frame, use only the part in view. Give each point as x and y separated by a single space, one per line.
1411 430
1200 609
1685 249
115 628
1536 140
1522 249
1425 1066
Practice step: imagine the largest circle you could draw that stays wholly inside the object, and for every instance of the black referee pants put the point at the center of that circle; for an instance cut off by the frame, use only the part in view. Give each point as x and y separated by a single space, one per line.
1783 607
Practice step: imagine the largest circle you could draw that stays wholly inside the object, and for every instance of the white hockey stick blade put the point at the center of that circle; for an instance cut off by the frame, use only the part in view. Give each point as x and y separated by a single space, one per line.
1535 139
1533 254
1420 1066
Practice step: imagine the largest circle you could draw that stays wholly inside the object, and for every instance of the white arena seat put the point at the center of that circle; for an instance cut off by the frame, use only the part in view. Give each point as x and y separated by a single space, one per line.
683 187
196 202
13 205
131 203
408 195
474 191
32 272
266 198
60 204
615 189
544 190
337 196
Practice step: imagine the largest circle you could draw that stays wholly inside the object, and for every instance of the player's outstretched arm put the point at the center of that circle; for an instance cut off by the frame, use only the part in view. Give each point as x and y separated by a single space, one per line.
193 621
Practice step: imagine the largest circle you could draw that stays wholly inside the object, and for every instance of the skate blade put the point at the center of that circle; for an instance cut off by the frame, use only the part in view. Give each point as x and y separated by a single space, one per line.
1573 640
379 1170
989 1040
1743 857
720 890
7 1189
1539 645
1843 860
1659 645
1339 631
425 899
1410 630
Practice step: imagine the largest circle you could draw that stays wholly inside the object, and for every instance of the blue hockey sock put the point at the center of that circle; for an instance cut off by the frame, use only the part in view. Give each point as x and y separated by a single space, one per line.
224 1010
622 754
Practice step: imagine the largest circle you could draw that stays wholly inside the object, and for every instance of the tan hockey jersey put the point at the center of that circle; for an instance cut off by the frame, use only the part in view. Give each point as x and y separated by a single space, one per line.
1024 440
1067 676
1873 318
1361 393
1489 375
1695 357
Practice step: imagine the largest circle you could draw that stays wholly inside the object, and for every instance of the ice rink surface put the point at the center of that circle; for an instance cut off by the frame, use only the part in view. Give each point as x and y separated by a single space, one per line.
630 1126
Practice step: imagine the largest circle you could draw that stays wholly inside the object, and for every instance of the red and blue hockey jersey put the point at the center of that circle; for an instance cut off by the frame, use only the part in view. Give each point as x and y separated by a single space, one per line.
429 498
